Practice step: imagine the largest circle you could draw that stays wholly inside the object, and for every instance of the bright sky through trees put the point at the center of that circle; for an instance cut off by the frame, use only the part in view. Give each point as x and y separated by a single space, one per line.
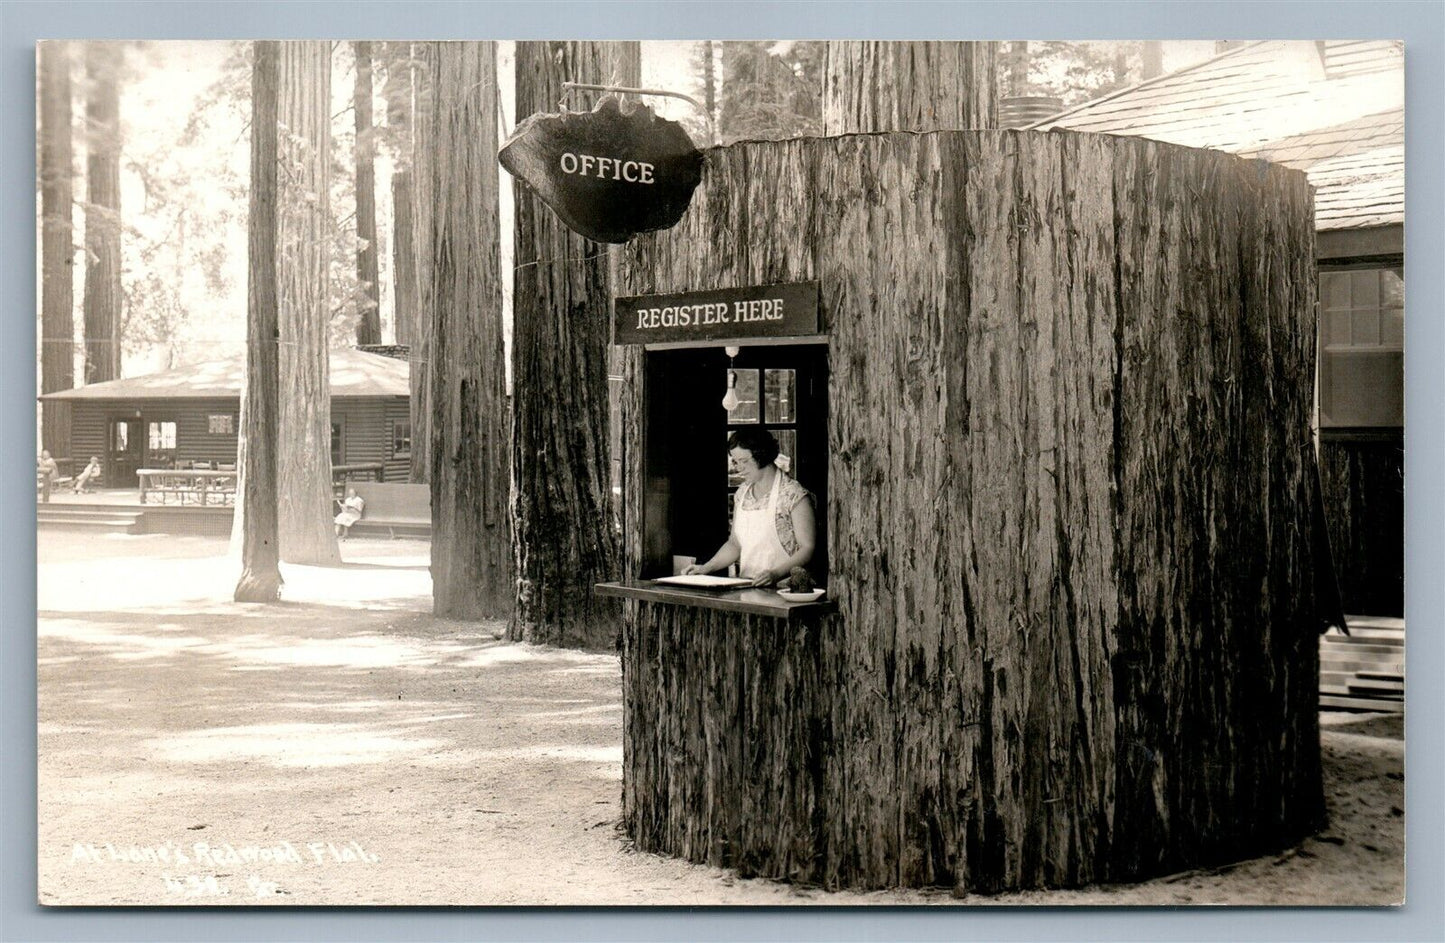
184 110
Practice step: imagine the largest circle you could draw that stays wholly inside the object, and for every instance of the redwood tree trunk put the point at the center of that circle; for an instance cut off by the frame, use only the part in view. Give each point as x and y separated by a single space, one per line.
470 480
398 92
368 303
1363 480
304 430
57 247
1069 522
917 86
255 519
102 212
423 208
561 464
1018 67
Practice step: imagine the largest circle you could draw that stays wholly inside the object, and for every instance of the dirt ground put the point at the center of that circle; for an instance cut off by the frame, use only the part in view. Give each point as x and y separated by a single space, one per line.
345 747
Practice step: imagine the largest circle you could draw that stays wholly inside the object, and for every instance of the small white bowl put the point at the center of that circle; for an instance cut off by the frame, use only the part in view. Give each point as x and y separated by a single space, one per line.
801 597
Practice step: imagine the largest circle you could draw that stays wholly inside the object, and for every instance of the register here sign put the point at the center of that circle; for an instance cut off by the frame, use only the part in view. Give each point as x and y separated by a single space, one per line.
725 314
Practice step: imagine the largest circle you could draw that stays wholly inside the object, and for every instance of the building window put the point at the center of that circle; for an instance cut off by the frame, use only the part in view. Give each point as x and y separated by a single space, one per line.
162 436
401 438
220 424
336 443
1362 330
160 443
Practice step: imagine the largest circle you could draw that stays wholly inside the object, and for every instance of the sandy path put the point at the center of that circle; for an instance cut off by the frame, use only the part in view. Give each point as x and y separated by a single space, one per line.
347 748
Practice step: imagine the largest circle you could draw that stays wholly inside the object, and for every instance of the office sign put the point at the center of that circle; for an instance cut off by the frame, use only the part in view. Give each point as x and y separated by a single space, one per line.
726 314
609 174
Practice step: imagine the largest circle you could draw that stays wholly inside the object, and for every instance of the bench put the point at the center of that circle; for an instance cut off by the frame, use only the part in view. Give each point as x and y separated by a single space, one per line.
393 508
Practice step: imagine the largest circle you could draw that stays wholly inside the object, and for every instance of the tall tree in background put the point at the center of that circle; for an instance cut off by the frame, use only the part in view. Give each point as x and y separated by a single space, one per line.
470 471
255 519
398 90
770 90
368 304
102 212
708 53
561 466
303 243
909 86
423 212
1016 67
407 92
57 245
1151 57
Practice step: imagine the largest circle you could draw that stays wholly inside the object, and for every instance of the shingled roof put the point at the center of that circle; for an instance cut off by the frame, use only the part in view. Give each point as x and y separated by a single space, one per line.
1333 109
353 373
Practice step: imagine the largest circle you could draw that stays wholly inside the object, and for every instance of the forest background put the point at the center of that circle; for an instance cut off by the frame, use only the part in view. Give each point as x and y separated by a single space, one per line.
182 143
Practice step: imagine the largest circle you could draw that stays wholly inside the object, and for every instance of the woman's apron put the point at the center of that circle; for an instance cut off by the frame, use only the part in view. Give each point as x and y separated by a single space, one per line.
757 532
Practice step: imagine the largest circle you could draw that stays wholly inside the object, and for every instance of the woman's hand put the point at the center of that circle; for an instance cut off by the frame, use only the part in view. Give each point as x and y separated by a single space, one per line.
693 569
767 578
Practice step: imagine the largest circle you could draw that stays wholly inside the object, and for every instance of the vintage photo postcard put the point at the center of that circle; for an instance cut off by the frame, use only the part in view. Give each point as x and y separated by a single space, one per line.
780 472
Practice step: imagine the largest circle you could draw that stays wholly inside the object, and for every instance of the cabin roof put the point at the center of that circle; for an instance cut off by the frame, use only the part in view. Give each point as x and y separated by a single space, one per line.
354 373
1333 109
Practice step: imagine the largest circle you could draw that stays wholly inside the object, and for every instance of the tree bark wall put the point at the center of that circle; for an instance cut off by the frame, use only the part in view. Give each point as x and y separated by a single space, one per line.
1069 520
470 434
57 245
951 85
254 525
102 300
1364 484
561 332
303 244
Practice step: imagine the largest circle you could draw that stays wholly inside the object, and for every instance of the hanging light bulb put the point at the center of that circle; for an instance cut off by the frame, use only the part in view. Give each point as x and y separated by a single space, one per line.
730 398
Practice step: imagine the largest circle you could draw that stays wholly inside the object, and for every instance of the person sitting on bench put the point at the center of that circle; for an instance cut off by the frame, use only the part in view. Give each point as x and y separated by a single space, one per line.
351 511
90 472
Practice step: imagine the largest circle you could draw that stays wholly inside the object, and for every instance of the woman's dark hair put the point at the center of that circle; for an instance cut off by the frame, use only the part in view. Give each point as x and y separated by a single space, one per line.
759 443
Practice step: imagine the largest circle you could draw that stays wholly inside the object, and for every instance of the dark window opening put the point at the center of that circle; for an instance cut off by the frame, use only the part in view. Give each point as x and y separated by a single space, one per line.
401 438
1362 349
687 500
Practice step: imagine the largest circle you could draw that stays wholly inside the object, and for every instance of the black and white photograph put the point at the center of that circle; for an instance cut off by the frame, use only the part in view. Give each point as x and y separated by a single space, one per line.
681 473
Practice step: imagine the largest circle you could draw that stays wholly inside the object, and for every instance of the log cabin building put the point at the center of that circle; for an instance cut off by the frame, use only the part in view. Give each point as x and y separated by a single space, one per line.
191 414
1334 109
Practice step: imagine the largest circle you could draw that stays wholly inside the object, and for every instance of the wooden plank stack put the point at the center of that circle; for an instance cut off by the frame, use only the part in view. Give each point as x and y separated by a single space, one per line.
1364 670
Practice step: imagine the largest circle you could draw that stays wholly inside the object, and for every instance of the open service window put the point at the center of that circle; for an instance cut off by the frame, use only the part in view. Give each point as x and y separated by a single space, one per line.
688 499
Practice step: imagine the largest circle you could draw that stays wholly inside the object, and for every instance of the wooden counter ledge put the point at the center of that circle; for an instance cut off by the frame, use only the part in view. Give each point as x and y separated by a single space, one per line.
762 602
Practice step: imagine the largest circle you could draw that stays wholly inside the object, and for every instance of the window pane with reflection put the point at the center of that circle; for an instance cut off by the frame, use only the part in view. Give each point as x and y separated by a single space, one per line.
780 404
787 450
747 389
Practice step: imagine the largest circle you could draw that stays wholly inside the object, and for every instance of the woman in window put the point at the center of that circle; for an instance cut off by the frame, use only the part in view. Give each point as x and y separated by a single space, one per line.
773 525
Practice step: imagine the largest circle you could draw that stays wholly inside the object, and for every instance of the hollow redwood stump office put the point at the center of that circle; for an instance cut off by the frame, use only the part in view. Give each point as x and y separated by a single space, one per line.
1056 407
